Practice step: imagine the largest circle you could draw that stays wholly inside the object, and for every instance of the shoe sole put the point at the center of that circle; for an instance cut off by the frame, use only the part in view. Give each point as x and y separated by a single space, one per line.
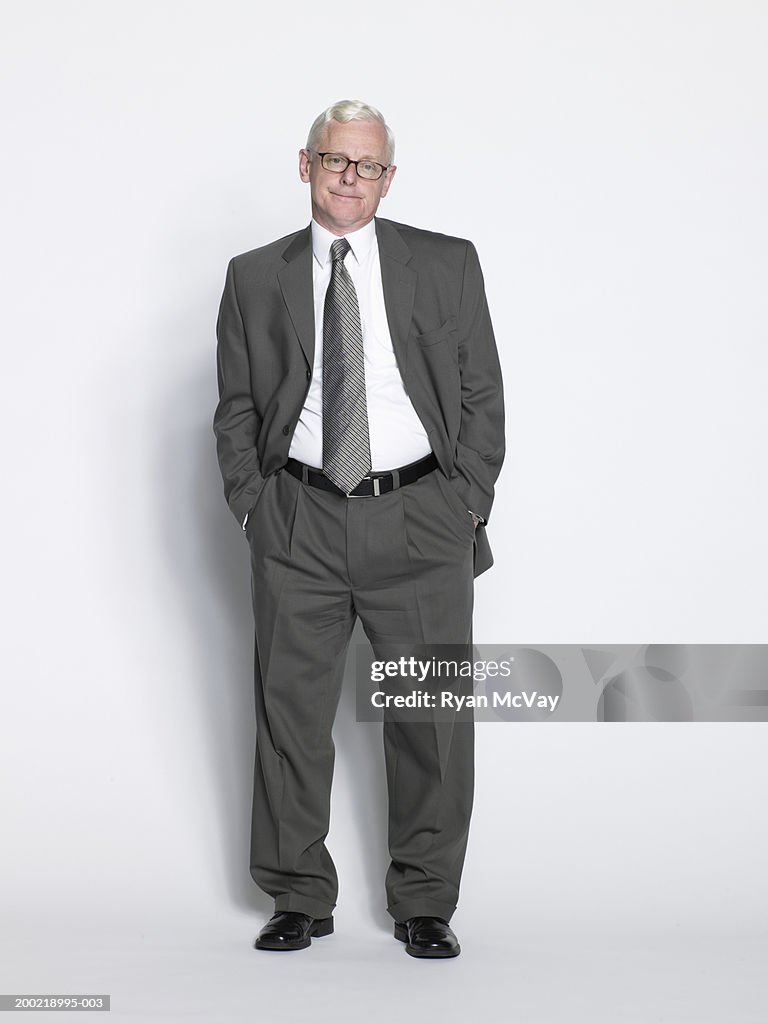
317 931
401 934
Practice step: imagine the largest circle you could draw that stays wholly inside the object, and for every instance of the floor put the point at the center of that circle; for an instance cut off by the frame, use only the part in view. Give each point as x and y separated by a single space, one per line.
207 969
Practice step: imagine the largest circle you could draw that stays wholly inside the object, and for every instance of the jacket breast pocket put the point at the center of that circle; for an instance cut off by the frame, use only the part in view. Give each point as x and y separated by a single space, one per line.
437 334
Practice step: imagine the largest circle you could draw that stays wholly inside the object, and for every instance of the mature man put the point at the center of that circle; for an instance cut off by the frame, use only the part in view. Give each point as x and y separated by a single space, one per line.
360 430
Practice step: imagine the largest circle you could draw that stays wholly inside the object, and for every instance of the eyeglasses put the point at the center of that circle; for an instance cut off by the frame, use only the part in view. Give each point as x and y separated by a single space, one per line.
337 163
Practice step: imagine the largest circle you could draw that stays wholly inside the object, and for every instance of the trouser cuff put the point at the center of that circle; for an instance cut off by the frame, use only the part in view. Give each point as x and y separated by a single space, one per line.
406 909
303 905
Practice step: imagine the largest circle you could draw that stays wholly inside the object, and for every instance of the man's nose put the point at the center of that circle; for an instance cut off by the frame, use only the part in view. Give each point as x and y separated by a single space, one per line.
349 177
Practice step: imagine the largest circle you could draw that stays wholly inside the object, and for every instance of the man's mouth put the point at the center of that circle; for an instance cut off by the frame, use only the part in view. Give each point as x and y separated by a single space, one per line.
344 195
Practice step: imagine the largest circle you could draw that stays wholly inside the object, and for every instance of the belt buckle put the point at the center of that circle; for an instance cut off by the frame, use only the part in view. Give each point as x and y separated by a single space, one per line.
376 488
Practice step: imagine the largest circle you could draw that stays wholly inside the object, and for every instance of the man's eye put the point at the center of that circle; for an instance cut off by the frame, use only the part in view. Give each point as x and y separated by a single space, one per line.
335 161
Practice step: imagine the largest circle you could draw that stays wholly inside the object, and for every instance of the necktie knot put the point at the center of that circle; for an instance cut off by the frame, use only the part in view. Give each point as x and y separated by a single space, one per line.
339 249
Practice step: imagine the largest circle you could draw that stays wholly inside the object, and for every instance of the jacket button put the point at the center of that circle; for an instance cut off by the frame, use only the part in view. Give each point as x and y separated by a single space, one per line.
286 431
309 375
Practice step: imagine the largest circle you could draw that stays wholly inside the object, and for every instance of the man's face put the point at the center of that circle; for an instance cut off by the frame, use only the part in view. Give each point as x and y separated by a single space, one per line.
344 202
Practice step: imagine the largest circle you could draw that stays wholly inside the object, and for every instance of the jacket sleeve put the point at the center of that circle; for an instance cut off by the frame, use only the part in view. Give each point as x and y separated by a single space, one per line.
236 422
480 447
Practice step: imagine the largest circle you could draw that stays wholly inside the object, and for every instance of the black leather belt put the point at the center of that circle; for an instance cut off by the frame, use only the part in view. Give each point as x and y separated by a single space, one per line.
370 486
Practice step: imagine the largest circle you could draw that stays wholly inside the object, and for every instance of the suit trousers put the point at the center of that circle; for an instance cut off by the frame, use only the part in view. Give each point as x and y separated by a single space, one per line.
403 563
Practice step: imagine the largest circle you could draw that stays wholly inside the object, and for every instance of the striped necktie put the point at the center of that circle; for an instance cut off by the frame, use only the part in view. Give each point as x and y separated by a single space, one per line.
346 443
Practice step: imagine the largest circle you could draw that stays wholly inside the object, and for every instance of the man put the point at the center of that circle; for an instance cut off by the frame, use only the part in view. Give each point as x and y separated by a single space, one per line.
359 434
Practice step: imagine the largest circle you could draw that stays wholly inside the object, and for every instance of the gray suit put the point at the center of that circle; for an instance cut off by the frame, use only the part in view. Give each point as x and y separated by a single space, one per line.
402 562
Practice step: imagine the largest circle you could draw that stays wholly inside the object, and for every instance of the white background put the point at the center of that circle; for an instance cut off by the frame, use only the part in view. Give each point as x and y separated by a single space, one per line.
609 161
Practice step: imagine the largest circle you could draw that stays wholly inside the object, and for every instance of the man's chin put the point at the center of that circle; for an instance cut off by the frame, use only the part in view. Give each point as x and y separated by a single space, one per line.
343 220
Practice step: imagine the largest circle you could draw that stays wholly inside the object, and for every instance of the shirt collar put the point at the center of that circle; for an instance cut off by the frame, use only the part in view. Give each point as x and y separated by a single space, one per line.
360 241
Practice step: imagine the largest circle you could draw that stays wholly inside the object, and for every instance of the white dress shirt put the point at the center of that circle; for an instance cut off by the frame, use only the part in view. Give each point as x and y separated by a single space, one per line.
396 433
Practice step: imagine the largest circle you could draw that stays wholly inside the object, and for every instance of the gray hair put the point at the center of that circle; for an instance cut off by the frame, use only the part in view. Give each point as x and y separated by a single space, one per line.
350 110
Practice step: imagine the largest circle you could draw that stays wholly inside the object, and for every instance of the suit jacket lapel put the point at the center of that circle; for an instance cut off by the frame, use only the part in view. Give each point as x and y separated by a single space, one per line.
399 283
296 285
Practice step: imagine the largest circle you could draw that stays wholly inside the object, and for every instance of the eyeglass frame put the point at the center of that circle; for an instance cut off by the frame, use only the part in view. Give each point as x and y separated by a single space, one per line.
362 160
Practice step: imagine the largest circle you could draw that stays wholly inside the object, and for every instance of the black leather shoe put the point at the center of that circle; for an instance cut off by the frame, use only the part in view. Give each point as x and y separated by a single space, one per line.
427 937
291 930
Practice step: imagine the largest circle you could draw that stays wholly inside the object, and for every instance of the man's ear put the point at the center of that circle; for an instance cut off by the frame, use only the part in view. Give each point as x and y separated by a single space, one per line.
388 176
304 161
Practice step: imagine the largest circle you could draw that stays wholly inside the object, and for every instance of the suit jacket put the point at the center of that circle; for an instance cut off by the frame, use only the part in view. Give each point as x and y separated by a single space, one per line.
444 346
